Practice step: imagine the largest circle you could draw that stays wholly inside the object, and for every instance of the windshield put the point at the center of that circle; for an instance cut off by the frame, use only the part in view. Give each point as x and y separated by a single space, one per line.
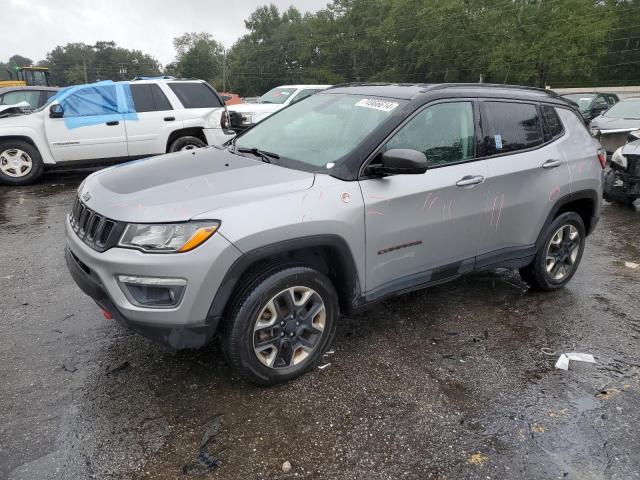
319 130
277 95
626 109
583 100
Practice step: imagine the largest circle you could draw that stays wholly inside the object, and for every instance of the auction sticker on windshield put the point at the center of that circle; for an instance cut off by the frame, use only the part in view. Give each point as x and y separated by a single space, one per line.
377 104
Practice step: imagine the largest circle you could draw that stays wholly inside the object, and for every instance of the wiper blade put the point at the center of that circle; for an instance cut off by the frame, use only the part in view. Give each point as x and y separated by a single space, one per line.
266 156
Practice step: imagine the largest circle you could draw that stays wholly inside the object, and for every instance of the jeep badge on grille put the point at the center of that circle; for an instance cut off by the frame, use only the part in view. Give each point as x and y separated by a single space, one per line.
86 196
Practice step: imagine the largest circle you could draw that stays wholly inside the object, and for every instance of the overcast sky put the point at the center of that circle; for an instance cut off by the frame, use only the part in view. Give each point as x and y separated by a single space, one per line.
31 28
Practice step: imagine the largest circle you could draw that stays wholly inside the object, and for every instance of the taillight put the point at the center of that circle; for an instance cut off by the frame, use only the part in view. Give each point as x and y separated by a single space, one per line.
602 157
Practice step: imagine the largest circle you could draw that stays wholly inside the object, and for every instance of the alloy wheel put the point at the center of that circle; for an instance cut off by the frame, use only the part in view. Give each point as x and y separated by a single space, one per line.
562 252
289 327
15 162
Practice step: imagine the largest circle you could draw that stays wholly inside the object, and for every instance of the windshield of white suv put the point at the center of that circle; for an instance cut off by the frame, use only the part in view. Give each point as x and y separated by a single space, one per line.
320 130
582 99
629 109
277 95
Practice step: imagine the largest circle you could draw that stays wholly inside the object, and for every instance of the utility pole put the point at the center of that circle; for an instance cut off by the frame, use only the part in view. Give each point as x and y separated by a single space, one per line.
224 69
84 64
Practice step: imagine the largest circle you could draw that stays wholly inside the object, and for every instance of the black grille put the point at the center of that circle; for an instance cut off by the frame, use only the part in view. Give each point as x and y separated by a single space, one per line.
98 232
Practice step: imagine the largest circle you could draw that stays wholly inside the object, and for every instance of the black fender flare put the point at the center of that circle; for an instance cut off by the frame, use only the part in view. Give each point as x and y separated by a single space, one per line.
565 200
349 289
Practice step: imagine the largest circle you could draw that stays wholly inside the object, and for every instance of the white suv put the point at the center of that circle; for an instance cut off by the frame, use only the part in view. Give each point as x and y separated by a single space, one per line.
110 121
245 115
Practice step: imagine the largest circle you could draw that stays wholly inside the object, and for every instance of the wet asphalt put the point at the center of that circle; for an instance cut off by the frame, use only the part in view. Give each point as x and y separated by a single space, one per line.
448 383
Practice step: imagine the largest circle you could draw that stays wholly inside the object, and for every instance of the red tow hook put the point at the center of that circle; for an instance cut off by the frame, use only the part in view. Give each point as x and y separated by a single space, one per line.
106 314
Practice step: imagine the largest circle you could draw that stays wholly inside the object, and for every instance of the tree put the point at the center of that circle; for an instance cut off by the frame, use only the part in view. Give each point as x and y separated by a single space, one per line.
20 61
199 56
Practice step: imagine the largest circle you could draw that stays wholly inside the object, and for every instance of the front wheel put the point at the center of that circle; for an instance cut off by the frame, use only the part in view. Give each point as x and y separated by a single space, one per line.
20 163
186 143
558 255
281 326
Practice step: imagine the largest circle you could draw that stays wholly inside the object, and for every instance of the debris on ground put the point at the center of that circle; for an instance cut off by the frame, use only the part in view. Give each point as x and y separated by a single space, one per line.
606 394
322 367
286 467
563 361
205 461
118 368
631 265
477 459
69 366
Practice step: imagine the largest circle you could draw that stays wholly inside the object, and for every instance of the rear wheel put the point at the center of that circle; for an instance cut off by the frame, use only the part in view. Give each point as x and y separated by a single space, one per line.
186 143
559 254
281 326
20 163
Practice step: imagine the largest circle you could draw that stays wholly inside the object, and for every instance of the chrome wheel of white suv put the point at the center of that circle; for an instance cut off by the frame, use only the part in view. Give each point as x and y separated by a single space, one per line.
15 162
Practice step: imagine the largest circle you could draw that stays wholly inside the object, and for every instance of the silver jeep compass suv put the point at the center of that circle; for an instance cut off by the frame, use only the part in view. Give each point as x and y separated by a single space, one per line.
345 198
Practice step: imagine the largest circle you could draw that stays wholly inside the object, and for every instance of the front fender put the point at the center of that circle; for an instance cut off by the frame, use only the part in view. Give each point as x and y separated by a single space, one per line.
31 134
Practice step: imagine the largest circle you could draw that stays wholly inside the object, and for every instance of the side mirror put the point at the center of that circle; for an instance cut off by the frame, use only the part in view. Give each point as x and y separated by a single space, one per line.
56 111
400 161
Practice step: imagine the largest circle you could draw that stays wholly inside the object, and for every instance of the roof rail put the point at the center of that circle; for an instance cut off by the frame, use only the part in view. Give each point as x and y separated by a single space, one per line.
163 77
437 86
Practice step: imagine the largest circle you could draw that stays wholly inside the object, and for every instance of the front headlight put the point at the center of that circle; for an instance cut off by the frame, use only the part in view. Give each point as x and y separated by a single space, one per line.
595 131
633 136
247 118
167 238
619 158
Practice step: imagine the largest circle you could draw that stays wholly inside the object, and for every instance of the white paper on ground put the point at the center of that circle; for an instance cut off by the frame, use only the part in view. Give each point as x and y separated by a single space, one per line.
631 265
563 362
581 357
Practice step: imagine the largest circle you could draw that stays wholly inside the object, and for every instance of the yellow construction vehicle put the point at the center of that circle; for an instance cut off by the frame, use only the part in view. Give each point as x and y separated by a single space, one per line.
26 76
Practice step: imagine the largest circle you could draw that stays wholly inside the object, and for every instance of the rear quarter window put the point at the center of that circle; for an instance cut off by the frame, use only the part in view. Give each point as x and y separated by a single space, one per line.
510 127
195 95
551 124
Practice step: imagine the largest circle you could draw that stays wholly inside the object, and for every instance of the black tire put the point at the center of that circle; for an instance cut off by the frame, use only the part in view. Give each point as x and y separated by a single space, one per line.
239 335
186 143
609 192
33 155
536 274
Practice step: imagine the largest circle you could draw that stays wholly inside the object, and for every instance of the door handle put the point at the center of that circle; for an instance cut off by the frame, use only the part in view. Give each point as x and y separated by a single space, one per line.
470 180
112 123
551 163
169 119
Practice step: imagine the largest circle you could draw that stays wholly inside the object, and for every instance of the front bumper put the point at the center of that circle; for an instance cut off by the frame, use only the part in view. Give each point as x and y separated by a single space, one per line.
187 325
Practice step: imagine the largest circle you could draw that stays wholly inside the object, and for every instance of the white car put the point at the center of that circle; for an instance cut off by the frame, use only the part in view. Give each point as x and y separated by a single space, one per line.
109 121
269 103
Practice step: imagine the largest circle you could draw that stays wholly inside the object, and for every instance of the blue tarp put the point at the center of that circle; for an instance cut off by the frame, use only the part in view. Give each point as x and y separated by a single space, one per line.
96 103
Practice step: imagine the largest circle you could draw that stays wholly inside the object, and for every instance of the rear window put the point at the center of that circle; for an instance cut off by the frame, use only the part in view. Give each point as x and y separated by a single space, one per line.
510 127
195 95
551 123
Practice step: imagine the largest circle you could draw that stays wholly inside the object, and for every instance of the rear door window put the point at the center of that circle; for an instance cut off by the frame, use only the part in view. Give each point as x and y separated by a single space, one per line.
149 98
510 127
195 95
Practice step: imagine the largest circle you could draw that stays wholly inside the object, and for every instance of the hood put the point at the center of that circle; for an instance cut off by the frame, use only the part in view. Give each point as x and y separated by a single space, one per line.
180 186
611 123
631 148
256 107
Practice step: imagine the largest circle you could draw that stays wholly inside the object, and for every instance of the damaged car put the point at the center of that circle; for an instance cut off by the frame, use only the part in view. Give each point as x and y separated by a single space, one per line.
612 127
622 178
349 197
